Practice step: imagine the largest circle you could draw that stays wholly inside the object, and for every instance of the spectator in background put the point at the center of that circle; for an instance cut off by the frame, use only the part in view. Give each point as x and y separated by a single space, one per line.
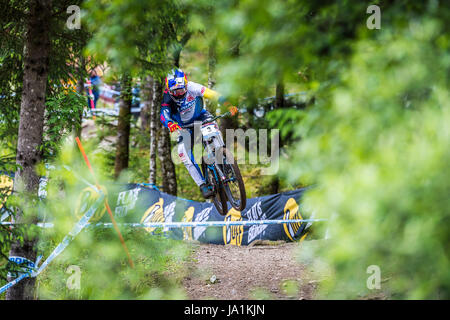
95 86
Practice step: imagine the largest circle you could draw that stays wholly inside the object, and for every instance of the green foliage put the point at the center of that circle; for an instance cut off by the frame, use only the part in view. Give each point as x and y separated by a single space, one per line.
11 75
9 206
287 121
105 273
133 35
277 40
63 115
372 134
378 151
7 235
7 161
64 69
375 140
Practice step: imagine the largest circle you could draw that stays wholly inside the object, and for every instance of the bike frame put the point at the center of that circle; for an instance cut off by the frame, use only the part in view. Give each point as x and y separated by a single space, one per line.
215 170
211 141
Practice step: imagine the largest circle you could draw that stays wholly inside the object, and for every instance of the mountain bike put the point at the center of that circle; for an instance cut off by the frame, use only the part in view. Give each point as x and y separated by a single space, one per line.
219 168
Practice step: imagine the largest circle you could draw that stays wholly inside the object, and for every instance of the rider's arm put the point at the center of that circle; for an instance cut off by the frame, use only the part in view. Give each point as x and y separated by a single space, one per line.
214 95
203 91
200 90
165 116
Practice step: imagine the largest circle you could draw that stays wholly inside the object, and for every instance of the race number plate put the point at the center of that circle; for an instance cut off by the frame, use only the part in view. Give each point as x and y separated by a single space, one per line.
209 129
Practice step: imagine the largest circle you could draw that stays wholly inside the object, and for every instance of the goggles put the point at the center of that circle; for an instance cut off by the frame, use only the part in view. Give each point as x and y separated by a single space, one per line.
178 92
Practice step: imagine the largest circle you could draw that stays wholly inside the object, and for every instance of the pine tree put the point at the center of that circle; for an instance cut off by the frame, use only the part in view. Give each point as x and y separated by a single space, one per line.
29 152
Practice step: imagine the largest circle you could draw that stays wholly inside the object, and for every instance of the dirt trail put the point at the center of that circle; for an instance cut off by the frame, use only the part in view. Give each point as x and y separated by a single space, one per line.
251 272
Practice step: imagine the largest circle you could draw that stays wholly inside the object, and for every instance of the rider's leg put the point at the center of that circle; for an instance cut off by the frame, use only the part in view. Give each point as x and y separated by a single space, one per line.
185 146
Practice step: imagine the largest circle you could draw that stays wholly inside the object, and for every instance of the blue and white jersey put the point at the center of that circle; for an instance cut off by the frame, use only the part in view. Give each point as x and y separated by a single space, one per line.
186 110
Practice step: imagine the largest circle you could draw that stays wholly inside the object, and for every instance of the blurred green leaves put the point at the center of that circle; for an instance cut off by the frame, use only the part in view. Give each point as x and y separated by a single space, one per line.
287 121
63 112
133 35
378 151
97 252
374 141
105 273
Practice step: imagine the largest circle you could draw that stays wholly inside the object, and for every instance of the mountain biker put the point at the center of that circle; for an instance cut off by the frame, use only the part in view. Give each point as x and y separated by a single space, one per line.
182 104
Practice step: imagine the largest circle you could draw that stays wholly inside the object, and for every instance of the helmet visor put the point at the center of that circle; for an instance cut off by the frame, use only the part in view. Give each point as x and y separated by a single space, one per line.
178 92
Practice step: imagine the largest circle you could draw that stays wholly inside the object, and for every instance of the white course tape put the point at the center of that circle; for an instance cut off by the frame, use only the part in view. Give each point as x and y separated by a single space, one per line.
26 272
14 282
82 223
189 224
204 223
5 216
29 265
39 224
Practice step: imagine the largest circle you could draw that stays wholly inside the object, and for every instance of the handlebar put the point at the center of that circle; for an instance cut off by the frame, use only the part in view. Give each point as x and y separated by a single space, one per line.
191 125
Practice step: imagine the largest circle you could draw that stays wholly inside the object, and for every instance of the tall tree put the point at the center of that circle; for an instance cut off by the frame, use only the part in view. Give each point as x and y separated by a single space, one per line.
154 126
36 66
147 100
178 48
279 95
81 68
230 122
169 179
212 61
279 104
123 126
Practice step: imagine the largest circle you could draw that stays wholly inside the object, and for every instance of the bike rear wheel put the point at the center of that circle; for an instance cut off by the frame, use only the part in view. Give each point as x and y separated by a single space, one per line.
220 201
234 184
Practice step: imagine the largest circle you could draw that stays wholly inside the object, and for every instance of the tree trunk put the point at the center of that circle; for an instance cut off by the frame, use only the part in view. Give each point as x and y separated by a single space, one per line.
147 94
279 95
123 127
169 178
154 125
32 108
80 90
77 127
230 122
180 46
212 60
274 184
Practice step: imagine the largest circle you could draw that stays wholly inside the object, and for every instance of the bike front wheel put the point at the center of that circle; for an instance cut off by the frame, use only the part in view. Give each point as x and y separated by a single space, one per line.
233 184
220 197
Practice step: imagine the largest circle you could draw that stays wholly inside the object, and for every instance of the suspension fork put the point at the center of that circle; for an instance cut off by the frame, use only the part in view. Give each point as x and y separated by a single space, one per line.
222 176
213 168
